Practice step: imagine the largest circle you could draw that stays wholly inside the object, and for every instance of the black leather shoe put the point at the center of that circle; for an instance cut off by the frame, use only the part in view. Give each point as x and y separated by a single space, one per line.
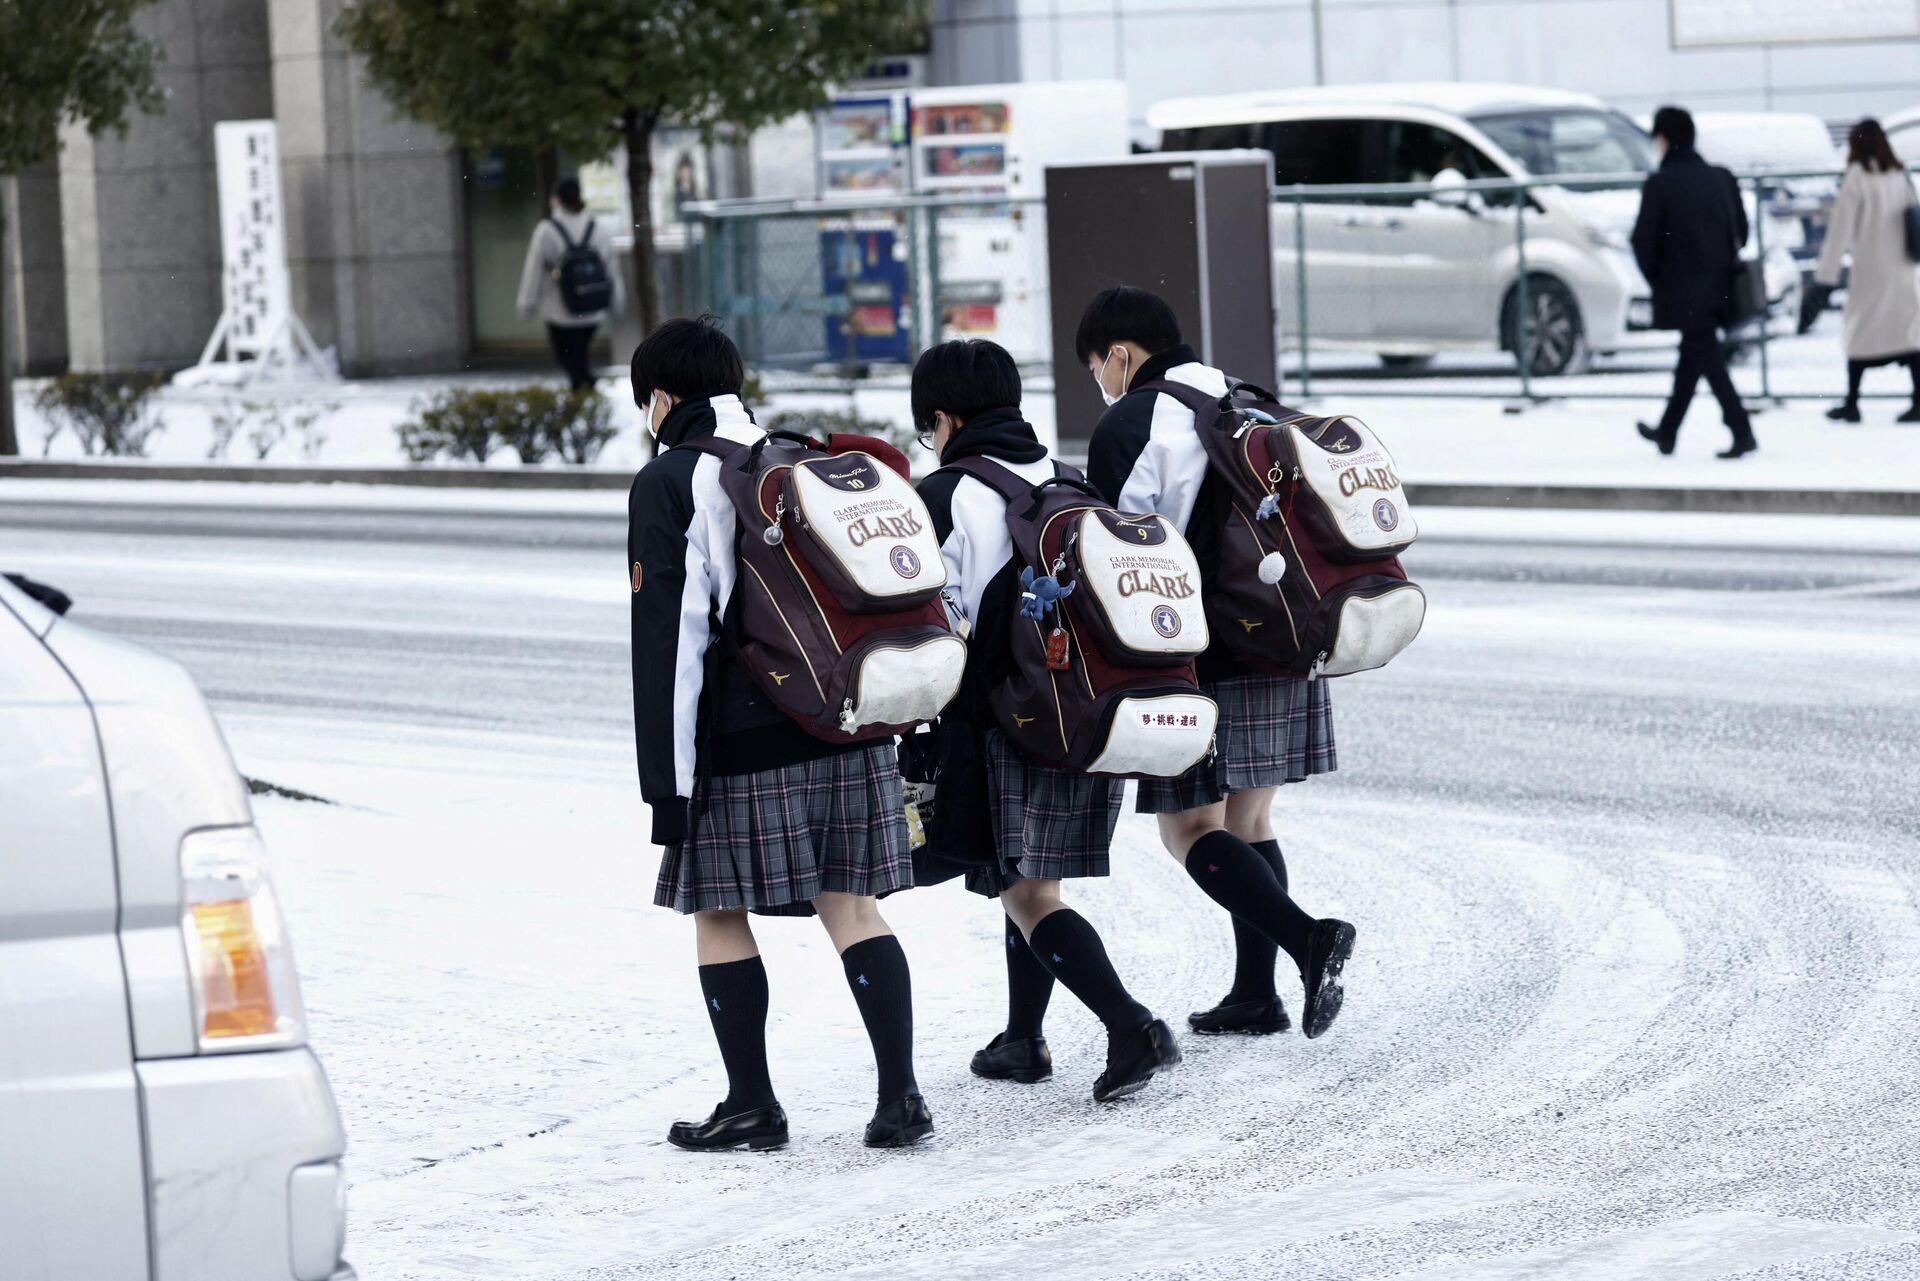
1025 1061
1329 944
899 1124
1132 1062
1739 449
1653 434
756 1128
1259 1016
1844 413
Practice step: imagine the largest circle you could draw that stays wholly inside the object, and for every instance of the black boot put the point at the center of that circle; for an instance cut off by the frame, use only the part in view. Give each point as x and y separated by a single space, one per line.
1260 1016
1658 437
1846 412
899 1124
1328 947
1026 1060
1911 414
1739 448
756 1128
1132 1061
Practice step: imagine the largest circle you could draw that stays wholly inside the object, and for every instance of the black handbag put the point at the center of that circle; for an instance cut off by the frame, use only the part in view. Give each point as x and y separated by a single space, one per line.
1910 222
949 828
1746 292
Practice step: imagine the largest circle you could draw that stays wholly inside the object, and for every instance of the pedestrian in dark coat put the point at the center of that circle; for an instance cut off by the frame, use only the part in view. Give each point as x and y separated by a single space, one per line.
1687 240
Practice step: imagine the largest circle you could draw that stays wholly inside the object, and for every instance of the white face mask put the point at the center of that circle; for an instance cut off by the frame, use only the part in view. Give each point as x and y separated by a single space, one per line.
646 414
1100 377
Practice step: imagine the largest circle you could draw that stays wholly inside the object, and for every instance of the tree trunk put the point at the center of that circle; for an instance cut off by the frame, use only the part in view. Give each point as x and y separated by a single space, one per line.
9 437
636 130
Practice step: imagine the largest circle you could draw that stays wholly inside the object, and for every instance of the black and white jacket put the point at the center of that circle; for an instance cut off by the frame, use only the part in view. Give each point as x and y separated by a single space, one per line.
696 712
1146 456
970 519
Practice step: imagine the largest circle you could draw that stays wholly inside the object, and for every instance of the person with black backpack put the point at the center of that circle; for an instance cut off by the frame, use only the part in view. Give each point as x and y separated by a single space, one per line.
1043 823
1216 818
755 812
570 281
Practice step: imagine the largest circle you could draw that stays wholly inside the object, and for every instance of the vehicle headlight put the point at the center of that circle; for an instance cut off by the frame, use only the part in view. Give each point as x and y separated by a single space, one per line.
1606 237
246 992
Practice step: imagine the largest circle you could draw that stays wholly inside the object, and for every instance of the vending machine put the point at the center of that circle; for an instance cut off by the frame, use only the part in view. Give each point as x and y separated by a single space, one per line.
862 145
996 141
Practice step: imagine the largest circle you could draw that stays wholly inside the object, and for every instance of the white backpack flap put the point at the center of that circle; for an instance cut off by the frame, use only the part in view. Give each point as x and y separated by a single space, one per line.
1139 576
1373 627
866 523
903 682
1157 735
1350 475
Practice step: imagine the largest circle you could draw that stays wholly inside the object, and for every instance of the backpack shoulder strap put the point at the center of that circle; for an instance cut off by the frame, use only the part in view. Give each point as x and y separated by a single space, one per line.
1193 398
996 476
587 235
565 239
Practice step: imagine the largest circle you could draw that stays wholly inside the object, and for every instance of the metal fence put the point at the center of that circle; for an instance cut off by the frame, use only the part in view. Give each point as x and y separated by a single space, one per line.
1493 288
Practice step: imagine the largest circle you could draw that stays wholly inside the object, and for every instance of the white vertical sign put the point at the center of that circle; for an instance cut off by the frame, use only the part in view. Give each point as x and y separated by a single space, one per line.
258 329
253 236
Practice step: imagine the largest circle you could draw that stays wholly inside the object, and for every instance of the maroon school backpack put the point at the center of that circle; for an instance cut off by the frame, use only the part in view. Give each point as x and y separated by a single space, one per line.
839 584
1308 581
1103 645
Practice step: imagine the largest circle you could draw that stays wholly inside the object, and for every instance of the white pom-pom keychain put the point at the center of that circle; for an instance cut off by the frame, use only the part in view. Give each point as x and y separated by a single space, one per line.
1273 567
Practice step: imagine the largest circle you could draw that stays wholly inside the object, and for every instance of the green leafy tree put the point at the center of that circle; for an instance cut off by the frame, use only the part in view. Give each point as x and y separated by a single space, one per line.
78 59
584 75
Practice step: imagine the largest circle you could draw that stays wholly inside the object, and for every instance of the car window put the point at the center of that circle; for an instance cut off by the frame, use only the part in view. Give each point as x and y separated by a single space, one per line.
1319 152
1415 152
1208 138
1570 143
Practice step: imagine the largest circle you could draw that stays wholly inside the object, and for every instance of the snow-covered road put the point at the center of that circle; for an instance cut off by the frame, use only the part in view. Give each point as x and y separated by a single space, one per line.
1632 837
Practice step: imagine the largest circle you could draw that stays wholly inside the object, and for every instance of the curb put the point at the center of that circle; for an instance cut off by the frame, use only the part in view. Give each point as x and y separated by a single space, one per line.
268 474
1656 498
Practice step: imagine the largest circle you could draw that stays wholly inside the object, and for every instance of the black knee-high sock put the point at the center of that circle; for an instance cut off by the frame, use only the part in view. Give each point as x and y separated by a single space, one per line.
1254 952
736 993
877 973
1073 953
1234 875
1029 987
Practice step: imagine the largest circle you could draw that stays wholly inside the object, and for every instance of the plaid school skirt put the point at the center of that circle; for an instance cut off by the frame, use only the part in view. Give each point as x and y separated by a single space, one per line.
1049 824
772 841
1273 730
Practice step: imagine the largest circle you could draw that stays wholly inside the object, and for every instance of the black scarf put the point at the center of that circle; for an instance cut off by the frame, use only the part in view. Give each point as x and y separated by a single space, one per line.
998 433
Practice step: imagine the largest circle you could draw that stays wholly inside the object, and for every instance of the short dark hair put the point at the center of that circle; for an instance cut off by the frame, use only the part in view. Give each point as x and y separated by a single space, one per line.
964 377
1675 124
567 192
687 359
1126 314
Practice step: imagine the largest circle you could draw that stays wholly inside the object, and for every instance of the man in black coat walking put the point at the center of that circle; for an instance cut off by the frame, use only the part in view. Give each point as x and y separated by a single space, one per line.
1688 238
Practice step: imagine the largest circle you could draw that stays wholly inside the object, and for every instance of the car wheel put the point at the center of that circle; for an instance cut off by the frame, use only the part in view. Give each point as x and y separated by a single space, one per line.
1556 339
1405 364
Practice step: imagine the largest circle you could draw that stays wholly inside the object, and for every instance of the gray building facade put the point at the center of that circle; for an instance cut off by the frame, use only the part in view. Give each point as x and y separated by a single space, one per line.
113 252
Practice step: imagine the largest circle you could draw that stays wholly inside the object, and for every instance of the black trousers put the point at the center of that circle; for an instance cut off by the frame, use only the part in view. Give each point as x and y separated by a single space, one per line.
1856 370
570 347
1700 357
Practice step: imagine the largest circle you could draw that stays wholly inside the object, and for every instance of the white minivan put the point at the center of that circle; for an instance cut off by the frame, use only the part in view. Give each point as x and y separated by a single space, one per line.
161 1117
1409 275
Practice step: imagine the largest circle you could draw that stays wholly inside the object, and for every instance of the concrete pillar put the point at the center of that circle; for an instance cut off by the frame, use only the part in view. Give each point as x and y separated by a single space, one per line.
140 224
35 272
375 214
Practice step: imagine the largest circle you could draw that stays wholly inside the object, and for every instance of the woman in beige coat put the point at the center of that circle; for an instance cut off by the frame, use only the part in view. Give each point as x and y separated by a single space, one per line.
1883 290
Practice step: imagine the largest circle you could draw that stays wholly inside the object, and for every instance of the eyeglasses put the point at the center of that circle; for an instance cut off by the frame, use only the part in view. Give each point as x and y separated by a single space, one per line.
925 437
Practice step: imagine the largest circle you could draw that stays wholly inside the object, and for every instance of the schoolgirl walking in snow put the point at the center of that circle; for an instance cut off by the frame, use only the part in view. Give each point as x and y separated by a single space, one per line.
755 814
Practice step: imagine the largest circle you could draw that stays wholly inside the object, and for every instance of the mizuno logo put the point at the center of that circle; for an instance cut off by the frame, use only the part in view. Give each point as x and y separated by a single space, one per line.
1021 722
779 678
1249 624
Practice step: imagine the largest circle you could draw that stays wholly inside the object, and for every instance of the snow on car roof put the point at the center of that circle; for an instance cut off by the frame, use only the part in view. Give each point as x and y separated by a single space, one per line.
1459 99
1765 140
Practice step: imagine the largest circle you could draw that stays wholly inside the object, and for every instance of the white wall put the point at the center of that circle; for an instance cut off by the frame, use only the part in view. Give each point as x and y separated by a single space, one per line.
1618 49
